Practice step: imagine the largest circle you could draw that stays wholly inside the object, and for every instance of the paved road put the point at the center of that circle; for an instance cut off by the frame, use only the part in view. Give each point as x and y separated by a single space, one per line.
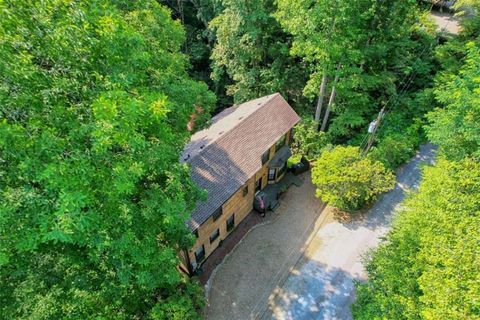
320 286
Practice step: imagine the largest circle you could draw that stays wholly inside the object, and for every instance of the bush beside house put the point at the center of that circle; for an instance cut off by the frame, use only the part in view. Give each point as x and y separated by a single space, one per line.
346 180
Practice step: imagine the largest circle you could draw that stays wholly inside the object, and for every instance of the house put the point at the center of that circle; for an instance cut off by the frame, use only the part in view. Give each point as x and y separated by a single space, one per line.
245 149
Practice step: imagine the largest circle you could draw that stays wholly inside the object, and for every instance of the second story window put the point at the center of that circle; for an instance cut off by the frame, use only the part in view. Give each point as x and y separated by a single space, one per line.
290 138
266 156
245 191
230 223
217 214
281 142
200 254
214 235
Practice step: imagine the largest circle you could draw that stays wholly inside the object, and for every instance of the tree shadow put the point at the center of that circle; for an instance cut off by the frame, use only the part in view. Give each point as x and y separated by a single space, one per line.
313 290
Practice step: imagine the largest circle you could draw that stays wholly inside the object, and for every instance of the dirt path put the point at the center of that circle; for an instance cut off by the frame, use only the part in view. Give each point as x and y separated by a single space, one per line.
320 286
446 22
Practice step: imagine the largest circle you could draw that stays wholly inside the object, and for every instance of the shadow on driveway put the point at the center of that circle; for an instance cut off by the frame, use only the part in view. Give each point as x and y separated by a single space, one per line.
241 285
321 286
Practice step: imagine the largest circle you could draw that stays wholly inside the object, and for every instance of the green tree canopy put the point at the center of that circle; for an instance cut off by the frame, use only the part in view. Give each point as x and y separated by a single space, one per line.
254 51
373 47
348 181
456 127
429 266
94 102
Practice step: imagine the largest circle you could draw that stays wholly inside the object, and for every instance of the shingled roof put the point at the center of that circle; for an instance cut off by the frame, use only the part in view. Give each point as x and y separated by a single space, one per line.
228 153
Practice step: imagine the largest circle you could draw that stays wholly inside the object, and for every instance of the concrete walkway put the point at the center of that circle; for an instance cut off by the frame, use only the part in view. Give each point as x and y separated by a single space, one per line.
241 285
320 286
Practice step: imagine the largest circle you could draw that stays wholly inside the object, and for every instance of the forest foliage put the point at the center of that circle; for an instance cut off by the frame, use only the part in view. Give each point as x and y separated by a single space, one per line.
95 97
428 266
347 180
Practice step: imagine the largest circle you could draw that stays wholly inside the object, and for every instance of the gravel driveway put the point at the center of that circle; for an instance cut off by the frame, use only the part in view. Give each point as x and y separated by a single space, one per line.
320 286
239 288
302 264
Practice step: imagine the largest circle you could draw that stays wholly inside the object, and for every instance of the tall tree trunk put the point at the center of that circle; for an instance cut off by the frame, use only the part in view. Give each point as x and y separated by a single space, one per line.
321 96
330 103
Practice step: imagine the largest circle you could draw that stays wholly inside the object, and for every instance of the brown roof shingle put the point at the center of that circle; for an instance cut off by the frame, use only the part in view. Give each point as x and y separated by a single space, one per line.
225 155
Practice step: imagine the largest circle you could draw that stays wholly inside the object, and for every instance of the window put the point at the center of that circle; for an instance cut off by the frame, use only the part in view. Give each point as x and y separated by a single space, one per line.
245 190
281 142
282 169
195 233
214 235
258 185
217 214
271 174
266 156
200 254
230 223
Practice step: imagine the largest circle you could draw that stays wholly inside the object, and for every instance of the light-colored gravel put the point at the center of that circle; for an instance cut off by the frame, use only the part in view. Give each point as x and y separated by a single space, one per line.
240 287
302 264
321 285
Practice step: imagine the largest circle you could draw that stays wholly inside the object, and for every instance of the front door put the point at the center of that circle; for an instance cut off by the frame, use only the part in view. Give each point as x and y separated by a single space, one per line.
258 184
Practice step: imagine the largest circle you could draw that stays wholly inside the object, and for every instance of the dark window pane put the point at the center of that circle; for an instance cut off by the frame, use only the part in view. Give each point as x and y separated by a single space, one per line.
230 223
200 254
245 191
281 142
258 185
214 235
271 174
217 214
266 156
196 233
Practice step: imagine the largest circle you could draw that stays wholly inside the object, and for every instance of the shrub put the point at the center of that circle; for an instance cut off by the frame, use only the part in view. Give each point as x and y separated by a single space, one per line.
396 148
347 181
296 158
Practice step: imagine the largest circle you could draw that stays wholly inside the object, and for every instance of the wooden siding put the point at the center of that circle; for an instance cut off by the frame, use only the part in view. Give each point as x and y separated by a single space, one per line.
238 204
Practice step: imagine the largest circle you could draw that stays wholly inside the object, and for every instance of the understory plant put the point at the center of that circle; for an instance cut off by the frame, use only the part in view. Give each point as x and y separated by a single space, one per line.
395 148
348 181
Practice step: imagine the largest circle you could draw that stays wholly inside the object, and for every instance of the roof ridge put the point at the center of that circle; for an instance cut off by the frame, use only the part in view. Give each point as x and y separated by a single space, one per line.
271 97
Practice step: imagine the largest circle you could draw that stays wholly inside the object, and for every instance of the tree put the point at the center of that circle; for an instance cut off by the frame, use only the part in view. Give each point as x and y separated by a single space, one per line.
398 146
195 16
309 142
94 102
369 47
455 127
326 35
428 266
347 181
254 51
